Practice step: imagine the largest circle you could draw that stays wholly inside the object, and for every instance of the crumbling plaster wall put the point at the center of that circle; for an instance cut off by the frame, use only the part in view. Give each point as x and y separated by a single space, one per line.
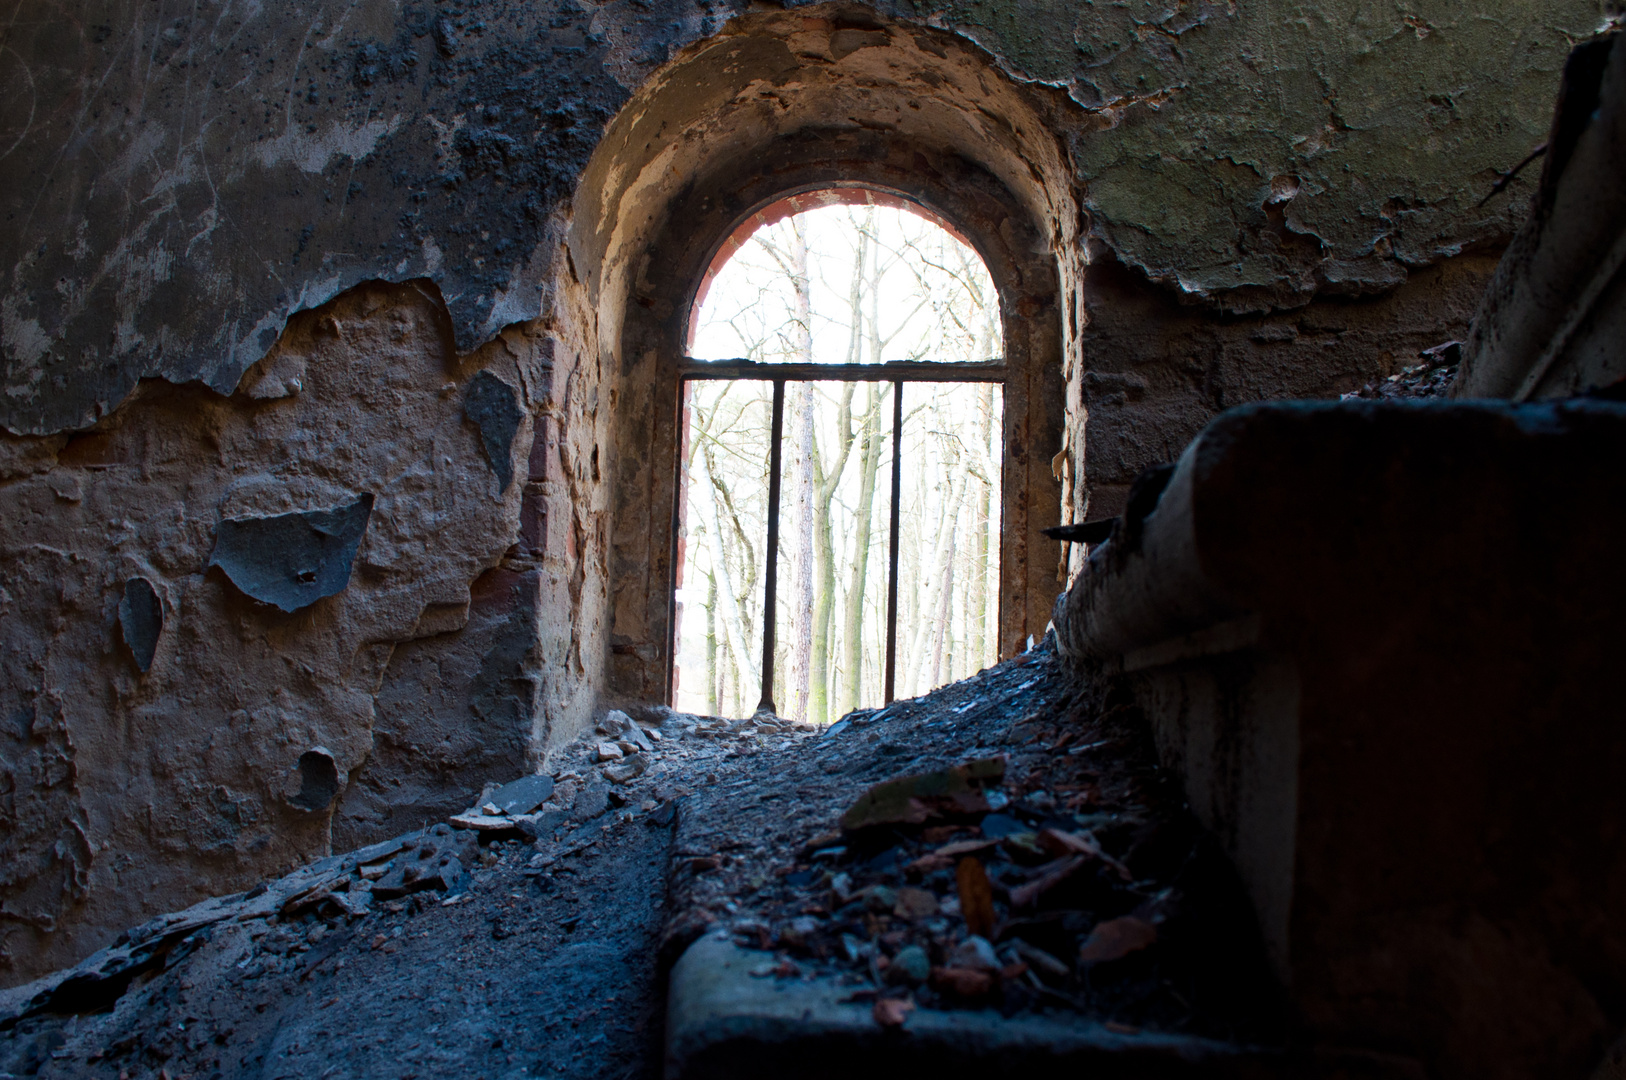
128 792
180 185
1160 370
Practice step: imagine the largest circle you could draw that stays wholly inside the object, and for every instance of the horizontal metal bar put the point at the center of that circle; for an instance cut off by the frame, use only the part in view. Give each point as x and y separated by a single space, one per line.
897 371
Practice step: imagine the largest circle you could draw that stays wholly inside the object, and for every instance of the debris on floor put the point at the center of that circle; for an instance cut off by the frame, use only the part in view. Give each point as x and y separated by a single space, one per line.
1001 845
1002 842
1430 378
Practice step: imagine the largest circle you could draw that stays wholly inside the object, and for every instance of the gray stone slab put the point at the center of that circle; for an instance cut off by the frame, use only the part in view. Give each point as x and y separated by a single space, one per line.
723 1022
292 560
523 795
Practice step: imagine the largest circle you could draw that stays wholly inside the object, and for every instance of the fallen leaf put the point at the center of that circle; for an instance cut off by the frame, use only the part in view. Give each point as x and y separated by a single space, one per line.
962 982
1060 842
1048 967
819 842
965 847
928 864
892 1012
976 896
1115 939
917 800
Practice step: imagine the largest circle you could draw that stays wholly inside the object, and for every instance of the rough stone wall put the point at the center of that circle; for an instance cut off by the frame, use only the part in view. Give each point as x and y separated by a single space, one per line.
486 699
1159 370
128 792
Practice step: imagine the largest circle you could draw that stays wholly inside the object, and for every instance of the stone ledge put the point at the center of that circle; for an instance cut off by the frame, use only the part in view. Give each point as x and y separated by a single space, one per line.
724 1023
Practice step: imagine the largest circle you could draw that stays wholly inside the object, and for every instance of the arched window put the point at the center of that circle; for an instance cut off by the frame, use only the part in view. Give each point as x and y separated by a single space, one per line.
787 112
841 461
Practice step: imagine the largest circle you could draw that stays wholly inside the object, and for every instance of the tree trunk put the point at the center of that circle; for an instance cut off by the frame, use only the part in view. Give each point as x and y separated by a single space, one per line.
801 462
712 694
869 464
826 484
927 639
977 614
728 594
945 604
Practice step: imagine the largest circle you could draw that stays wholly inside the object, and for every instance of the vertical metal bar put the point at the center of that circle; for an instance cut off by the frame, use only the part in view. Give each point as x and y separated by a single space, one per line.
680 486
771 581
892 569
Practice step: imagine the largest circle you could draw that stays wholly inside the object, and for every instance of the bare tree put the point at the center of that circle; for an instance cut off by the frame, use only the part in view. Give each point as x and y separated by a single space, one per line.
872 294
793 262
869 464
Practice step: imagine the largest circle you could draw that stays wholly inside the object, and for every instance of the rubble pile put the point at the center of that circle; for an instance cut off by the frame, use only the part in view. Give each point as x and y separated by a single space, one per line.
1431 378
1004 843
515 939
624 768
1062 873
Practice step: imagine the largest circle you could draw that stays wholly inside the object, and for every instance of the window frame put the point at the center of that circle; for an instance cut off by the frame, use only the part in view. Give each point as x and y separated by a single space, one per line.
898 373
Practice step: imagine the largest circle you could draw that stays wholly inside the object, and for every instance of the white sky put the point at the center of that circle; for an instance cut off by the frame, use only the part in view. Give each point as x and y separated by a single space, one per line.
935 298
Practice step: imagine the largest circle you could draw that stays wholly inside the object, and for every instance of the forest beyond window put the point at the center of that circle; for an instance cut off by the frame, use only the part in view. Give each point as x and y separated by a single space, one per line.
840 285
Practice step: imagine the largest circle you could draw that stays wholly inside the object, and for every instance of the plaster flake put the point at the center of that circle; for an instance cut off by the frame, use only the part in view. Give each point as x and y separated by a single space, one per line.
311 153
26 340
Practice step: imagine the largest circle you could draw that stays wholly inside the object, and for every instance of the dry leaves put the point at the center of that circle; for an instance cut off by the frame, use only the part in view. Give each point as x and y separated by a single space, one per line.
976 897
1059 871
892 1012
1115 939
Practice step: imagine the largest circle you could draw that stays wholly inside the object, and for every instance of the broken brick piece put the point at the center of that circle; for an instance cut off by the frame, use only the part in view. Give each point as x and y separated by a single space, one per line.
892 1012
914 904
962 982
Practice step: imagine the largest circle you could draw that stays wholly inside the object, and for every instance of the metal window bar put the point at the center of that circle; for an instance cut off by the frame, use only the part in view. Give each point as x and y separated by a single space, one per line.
897 373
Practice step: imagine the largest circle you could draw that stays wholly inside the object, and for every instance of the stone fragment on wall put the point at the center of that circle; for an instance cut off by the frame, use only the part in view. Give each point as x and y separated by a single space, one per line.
141 620
292 560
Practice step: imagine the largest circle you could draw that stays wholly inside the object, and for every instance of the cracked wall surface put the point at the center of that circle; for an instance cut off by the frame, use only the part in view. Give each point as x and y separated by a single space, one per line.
128 792
1160 370
264 260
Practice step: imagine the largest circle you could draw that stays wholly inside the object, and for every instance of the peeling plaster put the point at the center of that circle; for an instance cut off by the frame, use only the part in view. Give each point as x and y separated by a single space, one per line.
178 769
311 153
265 158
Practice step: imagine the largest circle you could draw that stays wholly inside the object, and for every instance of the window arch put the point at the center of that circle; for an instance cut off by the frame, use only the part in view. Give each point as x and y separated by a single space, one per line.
772 110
